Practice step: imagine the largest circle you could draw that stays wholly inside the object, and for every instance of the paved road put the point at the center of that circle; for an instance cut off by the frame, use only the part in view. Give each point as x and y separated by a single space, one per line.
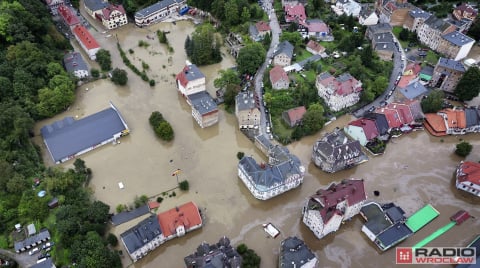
398 68
23 259
276 31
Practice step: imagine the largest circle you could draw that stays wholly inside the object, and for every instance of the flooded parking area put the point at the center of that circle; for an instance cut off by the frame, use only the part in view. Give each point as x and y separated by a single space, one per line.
417 168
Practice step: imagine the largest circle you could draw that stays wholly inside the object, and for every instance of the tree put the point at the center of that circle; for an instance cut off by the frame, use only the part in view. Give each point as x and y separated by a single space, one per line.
119 77
104 59
474 31
164 131
463 149
367 56
433 102
469 85
227 77
184 185
204 47
245 14
250 58
313 119
404 34
367 95
295 38
56 97
112 240
379 85
89 252
231 13
95 73
155 118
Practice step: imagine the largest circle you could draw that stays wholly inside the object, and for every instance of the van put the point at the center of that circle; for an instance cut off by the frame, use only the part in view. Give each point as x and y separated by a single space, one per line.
33 251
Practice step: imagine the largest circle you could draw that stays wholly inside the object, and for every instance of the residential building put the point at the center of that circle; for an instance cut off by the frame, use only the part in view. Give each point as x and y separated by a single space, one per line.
293 2
155 230
415 19
218 255
32 241
283 172
94 7
432 31
293 117
413 68
465 12
283 54
75 65
378 29
204 108
158 12
315 48
351 8
382 38
294 253
446 74
338 92
367 15
259 30
426 74
279 78
384 224
67 16
363 130
460 25
143 238
326 210
112 16
385 51
335 151
392 116
86 41
315 28
190 80
53 6
247 111
380 122
414 90
455 45
68 138
453 122
467 177
295 13
394 12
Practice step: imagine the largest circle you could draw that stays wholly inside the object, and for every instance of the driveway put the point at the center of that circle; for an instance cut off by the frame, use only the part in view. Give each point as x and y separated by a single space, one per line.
22 259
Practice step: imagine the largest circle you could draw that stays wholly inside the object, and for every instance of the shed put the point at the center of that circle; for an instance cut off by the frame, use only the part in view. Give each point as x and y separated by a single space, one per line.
31 229
53 203
460 217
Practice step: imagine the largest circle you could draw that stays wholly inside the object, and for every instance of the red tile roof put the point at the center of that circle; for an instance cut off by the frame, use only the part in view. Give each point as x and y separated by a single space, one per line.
315 46
369 127
85 37
277 73
414 68
262 26
392 116
343 85
186 215
315 26
68 16
295 13
435 125
353 191
107 12
455 118
296 114
405 80
153 204
404 112
470 171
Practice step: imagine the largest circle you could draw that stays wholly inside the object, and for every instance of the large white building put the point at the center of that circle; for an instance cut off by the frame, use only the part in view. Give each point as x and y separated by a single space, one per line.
86 41
326 210
190 80
468 177
338 92
158 12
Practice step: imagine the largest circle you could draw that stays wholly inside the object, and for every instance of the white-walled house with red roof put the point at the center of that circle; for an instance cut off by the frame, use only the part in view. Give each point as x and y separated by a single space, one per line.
86 41
113 16
326 210
468 177
279 78
338 92
190 80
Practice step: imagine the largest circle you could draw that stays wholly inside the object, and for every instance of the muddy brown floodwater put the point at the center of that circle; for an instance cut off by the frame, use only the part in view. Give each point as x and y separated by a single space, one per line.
417 169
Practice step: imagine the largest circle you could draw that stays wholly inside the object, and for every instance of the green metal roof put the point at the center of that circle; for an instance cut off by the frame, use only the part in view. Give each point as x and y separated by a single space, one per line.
422 217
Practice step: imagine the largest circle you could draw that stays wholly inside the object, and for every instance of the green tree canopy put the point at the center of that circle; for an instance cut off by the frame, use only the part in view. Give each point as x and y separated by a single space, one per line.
56 97
463 149
90 252
469 86
250 58
433 102
104 59
119 77
227 77
204 46
295 38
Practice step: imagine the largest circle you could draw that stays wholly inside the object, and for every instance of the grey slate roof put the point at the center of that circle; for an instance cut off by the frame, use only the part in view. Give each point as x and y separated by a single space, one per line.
427 70
451 64
68 136
270 175
252 30
383 37
44 264
337 146
379 28
380 122
245 101
413 90
437 24
285 47
472 117
458 38
141 234
419 13
294 253
394 235
155 7
385 46
125 216
202 102
95 5
43 235
219 255
73 61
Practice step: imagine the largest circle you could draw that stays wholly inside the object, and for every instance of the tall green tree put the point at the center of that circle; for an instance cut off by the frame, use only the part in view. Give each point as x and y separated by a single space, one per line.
205 46
469 86
119 77
433 102
295 38
56 97
313 119
227 77
231 13
104 59
250 58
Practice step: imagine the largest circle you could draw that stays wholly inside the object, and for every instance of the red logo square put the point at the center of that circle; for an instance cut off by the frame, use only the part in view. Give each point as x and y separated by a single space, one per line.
404 255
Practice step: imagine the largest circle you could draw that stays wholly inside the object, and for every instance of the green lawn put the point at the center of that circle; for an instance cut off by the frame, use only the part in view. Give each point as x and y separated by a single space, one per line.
280 129
432 57
302 55
396 31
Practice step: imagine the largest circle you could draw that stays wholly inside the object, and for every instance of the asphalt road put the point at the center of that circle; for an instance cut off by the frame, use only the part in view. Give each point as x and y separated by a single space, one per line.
22 259
398 68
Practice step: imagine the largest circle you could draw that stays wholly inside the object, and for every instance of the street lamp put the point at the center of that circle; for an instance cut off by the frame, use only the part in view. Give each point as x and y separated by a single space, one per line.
176 172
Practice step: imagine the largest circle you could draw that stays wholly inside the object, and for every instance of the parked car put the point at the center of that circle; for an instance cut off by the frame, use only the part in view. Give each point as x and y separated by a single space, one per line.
371 109
33 251
43 256
47 245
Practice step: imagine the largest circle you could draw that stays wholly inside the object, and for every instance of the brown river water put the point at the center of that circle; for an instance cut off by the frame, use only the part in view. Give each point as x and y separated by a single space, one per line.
417 168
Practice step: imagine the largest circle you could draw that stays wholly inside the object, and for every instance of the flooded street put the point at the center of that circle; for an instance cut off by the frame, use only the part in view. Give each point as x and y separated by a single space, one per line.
417 169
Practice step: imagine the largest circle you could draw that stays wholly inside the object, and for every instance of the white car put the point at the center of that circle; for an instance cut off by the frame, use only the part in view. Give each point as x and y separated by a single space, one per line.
33 251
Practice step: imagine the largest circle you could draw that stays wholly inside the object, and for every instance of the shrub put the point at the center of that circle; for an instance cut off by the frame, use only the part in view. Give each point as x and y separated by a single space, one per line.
174 194
240 155
145 66
95 73
130 51
159 199
120 208
119 77
142 43
463 149
112 240
152 82
184 185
